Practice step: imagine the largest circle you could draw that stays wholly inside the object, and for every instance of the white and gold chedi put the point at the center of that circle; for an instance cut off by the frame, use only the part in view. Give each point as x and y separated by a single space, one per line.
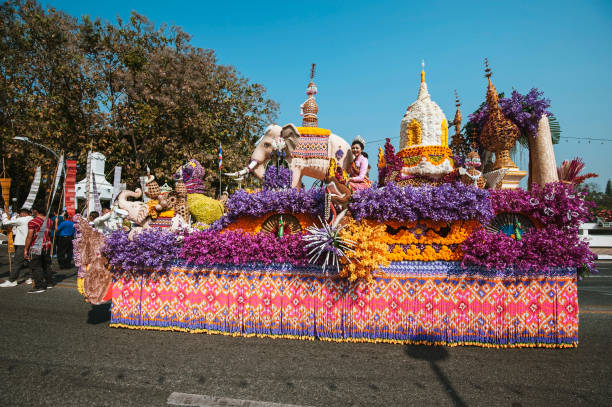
424 137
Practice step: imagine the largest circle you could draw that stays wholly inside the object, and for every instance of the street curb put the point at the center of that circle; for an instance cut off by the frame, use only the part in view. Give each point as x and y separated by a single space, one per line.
185 399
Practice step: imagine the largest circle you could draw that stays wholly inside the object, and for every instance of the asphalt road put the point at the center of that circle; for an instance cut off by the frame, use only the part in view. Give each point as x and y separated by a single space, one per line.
59 351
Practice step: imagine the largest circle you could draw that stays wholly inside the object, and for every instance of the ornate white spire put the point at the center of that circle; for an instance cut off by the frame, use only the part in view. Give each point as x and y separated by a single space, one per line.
424 123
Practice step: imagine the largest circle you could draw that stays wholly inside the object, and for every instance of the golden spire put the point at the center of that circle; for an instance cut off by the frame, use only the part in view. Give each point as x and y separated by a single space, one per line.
423 71
498 134
309 108
458 118
492 97
458 145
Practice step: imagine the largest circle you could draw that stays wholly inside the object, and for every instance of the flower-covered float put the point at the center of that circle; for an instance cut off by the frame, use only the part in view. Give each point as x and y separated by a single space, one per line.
427 256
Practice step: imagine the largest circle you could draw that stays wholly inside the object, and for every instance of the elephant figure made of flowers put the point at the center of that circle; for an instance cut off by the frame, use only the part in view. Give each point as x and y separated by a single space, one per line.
307 154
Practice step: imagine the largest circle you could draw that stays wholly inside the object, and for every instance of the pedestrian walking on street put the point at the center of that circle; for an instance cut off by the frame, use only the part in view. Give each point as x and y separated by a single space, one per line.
40 259
56 220
64 236
20 232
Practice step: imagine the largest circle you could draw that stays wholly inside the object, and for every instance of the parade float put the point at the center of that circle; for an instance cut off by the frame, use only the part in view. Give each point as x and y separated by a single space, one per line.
437 252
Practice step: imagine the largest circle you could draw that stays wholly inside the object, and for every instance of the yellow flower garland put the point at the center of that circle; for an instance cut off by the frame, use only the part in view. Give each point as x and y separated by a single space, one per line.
411 156
459 231
370 251
313 131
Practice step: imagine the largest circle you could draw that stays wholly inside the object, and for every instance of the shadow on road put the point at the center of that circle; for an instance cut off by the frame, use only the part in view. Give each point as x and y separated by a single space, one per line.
433 354
99 314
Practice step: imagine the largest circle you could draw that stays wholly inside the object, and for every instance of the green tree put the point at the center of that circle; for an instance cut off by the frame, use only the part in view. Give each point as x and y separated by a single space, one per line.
609 188
139 94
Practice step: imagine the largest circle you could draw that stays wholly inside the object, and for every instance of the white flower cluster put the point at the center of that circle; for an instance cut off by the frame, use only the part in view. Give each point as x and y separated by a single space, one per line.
279 144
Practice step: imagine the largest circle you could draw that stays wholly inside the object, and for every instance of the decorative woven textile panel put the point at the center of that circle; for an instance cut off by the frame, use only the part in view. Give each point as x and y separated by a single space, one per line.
311 146
409 302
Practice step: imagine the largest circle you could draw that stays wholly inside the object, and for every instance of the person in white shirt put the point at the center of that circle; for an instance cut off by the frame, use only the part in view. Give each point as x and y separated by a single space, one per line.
110 220
20 232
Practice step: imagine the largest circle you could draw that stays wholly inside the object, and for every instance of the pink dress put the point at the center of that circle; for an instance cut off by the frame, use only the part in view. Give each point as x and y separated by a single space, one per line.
359 174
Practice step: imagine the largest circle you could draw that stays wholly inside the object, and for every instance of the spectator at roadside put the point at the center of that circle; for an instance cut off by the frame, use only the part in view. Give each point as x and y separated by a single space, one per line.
20 232
99 223
37 249
56 220
65 234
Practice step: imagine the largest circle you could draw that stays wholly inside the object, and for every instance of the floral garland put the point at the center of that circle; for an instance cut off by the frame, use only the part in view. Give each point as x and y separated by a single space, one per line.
369 252
447 202
427 232
425 253
149 249
236 247
412 156
421 240
314 131
292 200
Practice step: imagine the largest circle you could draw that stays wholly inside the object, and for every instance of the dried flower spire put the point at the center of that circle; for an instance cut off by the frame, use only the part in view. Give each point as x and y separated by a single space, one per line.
458 145
457 120
309 108
498 134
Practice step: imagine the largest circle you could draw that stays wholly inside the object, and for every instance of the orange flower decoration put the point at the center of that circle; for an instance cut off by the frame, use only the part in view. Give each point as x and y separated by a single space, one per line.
370 251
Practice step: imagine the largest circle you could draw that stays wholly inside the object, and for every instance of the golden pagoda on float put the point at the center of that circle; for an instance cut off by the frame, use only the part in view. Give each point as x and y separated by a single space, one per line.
423 145
499 135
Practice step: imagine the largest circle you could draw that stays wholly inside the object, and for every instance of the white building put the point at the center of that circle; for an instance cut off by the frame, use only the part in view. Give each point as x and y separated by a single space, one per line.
105 189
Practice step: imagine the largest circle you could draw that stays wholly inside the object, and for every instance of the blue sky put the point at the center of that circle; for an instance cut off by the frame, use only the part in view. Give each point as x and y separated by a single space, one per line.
368 57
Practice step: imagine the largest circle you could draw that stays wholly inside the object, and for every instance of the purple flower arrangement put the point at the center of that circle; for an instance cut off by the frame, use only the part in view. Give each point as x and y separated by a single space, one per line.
557 209
290 200
524 110
277 177
236 247
392 162
539 250
150 249
555 204
447 202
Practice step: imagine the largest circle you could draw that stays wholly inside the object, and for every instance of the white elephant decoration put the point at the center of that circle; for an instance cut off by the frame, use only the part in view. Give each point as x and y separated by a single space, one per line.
287 137
138 211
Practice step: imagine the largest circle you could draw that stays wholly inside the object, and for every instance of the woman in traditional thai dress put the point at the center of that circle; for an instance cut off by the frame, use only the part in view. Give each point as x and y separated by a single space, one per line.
359 168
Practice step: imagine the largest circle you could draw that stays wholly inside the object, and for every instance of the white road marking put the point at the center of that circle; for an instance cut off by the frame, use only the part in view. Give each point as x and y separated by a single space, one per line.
185 399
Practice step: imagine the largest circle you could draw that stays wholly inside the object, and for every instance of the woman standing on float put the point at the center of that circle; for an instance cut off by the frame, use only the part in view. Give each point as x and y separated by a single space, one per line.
359 168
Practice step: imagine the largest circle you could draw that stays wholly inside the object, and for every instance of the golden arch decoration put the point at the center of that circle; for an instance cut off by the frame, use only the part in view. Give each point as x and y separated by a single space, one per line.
413 133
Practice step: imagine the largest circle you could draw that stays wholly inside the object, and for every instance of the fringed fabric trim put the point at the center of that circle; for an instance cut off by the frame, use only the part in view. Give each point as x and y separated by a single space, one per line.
349 340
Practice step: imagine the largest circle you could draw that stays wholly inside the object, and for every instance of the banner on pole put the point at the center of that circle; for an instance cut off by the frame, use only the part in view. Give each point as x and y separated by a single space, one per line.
37 246
33 190
70 187
96 195
116 184
5 183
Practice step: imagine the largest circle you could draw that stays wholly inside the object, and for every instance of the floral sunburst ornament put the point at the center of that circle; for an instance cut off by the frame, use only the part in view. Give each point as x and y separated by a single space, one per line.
326 240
